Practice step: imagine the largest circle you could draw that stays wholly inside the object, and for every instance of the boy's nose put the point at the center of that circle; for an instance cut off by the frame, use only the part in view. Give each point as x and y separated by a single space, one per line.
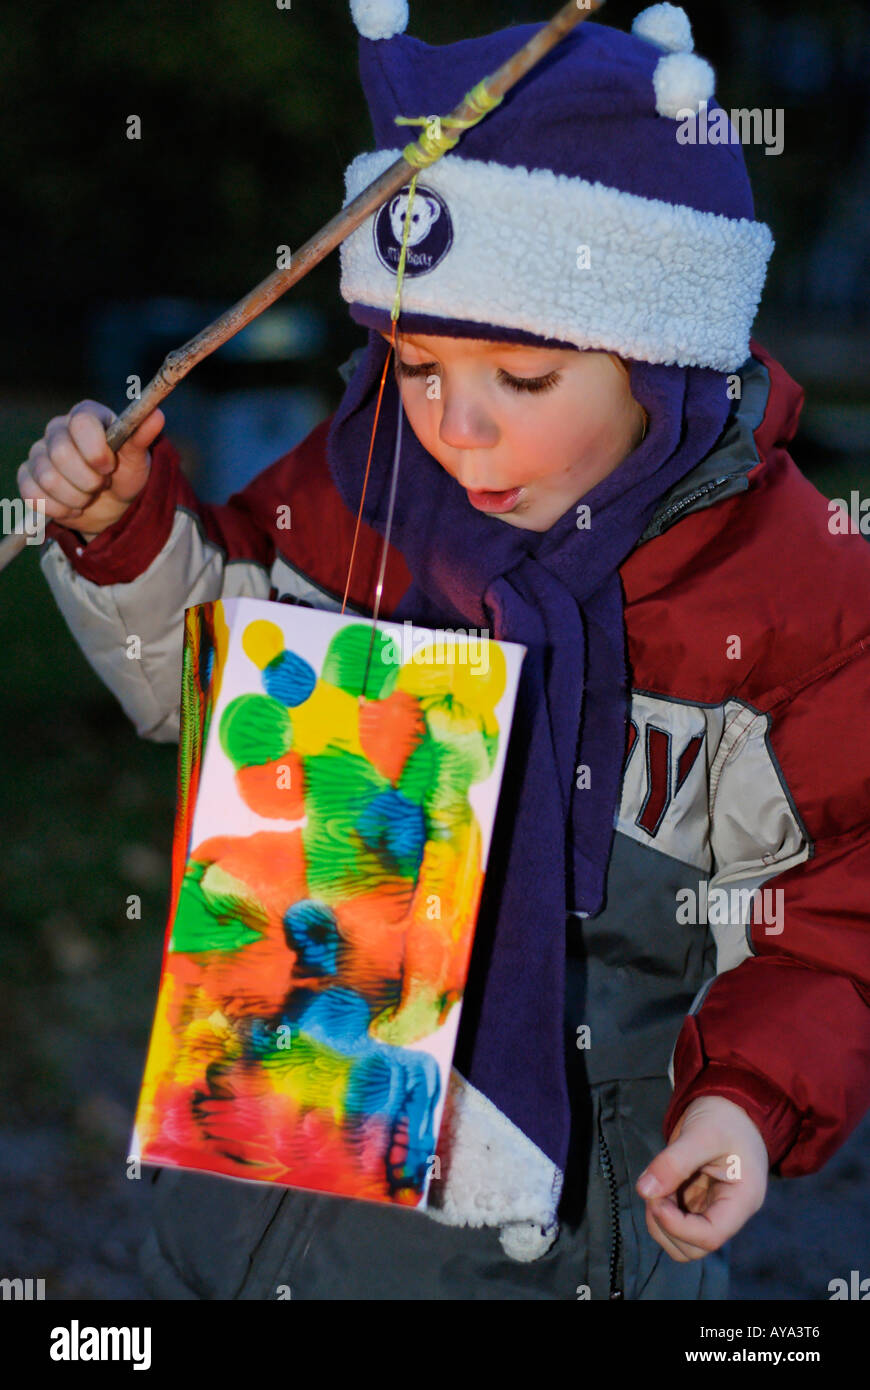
465 424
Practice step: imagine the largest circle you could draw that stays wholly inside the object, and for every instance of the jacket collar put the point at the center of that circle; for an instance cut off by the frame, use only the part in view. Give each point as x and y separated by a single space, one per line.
725 470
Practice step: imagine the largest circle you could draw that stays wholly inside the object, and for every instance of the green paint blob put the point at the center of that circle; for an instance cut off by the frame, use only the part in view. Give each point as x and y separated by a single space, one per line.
211 921
467 753
490 744
345 662
417 1018
338 785
420 771
229 896
458 767
440 771
255 729
313 1074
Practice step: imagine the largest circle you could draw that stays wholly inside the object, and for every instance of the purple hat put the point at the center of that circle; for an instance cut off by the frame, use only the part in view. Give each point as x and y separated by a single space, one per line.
580 211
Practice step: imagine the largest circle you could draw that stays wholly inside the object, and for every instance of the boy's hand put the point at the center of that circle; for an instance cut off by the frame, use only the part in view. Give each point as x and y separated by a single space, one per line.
74 472
711 1178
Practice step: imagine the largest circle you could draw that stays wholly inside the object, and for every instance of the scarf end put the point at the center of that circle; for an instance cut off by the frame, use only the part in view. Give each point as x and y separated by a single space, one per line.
492 1174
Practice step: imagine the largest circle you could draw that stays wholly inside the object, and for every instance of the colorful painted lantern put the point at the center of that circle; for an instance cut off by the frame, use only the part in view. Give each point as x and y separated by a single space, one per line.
337 786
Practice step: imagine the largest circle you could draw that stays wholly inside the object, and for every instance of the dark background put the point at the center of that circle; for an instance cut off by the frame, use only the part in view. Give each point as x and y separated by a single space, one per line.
115 251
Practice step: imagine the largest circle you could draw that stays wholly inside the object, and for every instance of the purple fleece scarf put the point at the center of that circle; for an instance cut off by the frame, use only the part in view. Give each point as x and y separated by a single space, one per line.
559 594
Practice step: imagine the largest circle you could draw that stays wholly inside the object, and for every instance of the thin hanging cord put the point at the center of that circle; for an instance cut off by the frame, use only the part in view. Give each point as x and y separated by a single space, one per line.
394 315
368 466
389 526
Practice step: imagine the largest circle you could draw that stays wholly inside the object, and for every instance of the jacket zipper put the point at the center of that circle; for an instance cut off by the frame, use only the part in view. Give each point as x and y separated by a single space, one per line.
616 1234
687 501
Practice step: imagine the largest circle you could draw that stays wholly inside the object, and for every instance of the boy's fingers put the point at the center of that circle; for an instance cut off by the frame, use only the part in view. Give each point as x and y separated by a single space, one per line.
102 412
30 491
695 1194
62 463
722 1219
39 478
61 432
677 1249
71 466
89 436
58 455
675 1165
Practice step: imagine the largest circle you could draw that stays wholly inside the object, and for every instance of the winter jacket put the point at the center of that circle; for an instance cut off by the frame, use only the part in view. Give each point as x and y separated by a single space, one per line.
732 953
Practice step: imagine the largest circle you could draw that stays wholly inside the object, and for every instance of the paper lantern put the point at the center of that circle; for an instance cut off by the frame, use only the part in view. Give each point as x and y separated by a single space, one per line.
337 787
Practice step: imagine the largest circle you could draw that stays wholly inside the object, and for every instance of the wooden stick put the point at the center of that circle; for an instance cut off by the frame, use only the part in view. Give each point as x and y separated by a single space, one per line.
182 360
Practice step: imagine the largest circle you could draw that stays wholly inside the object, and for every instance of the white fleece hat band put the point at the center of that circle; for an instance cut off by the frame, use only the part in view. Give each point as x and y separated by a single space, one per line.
561 258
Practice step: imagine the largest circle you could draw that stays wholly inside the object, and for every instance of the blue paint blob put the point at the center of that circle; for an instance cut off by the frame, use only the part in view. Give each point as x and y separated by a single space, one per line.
289 678
393 825
311 929
339 1018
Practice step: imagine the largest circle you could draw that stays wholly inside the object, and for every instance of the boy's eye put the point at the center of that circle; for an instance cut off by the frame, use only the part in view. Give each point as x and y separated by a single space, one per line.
515 383
422 368
529 383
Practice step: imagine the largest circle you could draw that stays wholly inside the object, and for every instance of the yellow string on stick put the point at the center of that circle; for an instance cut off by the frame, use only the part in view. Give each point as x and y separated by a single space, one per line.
432 144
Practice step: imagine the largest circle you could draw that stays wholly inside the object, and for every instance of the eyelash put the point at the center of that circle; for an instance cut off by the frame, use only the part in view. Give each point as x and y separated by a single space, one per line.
515 383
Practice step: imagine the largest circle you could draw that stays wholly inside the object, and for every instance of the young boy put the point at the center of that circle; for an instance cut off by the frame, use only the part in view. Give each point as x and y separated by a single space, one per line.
673 942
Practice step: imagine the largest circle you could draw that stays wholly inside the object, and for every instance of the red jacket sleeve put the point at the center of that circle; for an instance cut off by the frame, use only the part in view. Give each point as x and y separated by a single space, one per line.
292 510
786 1033
125 550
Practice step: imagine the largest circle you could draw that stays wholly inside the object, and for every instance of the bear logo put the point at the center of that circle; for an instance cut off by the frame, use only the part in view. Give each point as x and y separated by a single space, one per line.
429 238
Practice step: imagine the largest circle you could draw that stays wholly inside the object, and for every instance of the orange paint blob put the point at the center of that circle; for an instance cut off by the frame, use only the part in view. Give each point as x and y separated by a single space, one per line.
275 789
389 731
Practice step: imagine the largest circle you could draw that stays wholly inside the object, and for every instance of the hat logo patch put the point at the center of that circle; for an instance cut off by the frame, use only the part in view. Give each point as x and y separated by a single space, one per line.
429 238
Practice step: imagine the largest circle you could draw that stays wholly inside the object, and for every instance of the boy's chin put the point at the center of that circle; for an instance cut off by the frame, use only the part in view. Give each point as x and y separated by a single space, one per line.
537 518
524 521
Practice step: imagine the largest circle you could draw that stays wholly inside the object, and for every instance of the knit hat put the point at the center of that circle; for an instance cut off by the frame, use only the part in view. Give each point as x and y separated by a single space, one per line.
581 153
549 216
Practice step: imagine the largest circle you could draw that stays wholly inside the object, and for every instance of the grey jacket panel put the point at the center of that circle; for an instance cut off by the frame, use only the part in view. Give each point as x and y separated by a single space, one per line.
633 969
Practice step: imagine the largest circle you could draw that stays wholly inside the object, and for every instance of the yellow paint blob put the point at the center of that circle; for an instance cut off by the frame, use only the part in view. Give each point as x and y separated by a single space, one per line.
328 716
262 641
481 678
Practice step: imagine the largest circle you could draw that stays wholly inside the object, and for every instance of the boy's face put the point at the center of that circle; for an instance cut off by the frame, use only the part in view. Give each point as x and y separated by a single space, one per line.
524 454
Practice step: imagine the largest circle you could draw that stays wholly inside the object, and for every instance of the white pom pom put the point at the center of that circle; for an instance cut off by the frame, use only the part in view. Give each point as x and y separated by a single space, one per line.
667 26
380 19
682 81
524 1241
